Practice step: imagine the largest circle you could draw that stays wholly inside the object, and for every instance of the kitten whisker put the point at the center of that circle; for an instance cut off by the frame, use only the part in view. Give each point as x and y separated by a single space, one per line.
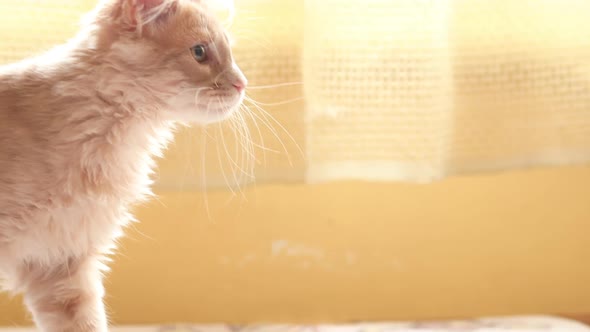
229 155
268 125
279 103
249 147
268 116
220 162
189 167
272 86
204 167
247 111
262 146
243 140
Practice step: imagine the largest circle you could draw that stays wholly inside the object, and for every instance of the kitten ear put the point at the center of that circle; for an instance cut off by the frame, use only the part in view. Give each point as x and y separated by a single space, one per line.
136 14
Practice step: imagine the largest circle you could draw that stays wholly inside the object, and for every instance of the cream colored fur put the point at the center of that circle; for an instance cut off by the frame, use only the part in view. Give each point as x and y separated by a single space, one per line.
79 127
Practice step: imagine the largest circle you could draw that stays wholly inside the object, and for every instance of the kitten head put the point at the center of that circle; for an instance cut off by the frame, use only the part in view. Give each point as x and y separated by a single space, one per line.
181 50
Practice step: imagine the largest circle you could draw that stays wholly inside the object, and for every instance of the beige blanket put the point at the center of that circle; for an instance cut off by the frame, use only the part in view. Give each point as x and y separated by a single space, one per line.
512 324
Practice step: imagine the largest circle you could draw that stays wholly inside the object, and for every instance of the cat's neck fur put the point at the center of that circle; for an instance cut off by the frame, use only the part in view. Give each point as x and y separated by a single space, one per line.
103 121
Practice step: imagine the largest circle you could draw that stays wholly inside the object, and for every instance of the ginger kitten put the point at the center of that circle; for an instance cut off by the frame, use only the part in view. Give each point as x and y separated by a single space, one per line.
79 127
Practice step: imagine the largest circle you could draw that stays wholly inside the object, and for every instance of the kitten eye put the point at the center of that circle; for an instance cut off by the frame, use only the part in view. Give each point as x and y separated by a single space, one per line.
199 52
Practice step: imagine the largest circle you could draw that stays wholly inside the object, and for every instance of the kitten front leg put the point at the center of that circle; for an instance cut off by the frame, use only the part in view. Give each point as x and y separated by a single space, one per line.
67 297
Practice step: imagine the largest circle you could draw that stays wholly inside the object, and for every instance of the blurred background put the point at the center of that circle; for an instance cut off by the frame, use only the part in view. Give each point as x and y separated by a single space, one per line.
400 160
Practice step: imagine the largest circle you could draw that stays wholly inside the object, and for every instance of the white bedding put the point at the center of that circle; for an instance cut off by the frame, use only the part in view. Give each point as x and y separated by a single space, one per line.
512 324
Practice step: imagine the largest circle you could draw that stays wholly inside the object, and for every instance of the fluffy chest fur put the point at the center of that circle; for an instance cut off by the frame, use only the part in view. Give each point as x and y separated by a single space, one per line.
77 153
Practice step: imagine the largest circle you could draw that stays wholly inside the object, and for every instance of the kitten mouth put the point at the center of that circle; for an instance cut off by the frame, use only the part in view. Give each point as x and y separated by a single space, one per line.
221 110
221 104
209 108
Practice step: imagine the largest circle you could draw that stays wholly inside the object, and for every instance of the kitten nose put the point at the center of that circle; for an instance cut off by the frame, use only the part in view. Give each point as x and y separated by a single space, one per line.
240 86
